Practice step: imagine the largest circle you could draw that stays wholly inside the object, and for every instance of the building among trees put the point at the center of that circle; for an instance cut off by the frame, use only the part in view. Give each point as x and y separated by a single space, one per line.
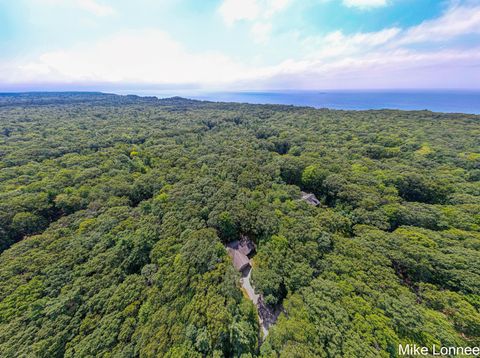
310 198
239 251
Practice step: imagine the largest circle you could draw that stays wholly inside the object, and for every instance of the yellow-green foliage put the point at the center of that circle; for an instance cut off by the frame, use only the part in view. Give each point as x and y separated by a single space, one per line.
424 150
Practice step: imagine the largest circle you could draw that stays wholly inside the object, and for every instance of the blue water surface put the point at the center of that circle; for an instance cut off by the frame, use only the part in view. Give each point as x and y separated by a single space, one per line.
453 101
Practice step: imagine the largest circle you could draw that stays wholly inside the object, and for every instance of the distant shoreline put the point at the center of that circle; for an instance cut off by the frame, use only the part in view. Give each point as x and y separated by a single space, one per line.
445 101
440 101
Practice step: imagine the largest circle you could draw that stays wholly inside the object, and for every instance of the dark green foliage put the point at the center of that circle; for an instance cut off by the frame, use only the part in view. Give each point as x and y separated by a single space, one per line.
25 223
415 187
312 179
114 212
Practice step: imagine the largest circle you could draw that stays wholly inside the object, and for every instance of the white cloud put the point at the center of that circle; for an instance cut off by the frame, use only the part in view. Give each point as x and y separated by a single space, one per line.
95 8
235 10
258 12
337 44
261 31
457 21
147 56
92 6
153 57
335 60
273 7
250 10
365 4
395 68
384 59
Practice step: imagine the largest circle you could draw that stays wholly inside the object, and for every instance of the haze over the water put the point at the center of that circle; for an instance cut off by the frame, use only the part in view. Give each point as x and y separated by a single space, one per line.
237 45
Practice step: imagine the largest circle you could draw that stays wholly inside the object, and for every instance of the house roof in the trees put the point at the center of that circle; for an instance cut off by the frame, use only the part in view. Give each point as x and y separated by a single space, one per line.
310 198
239 251
244 245
240 261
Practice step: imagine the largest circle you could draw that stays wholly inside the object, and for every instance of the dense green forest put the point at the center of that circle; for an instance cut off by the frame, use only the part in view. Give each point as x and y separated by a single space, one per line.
114 213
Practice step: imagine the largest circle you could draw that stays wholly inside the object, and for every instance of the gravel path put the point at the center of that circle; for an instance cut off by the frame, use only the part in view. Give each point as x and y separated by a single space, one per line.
247 286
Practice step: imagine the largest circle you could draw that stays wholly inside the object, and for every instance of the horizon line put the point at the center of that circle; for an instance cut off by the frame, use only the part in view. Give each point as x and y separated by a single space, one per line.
267 90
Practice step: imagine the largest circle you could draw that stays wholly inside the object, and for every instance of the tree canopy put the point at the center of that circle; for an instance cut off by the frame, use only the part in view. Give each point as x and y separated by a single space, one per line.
114 213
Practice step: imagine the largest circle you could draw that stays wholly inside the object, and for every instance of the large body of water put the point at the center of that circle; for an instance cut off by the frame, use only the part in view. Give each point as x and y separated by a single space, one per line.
437 101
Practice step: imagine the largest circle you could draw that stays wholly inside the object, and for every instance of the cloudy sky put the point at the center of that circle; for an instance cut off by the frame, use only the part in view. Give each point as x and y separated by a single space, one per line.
239 44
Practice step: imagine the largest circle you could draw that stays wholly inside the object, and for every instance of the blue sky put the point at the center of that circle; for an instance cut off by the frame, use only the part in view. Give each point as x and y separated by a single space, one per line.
240 44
